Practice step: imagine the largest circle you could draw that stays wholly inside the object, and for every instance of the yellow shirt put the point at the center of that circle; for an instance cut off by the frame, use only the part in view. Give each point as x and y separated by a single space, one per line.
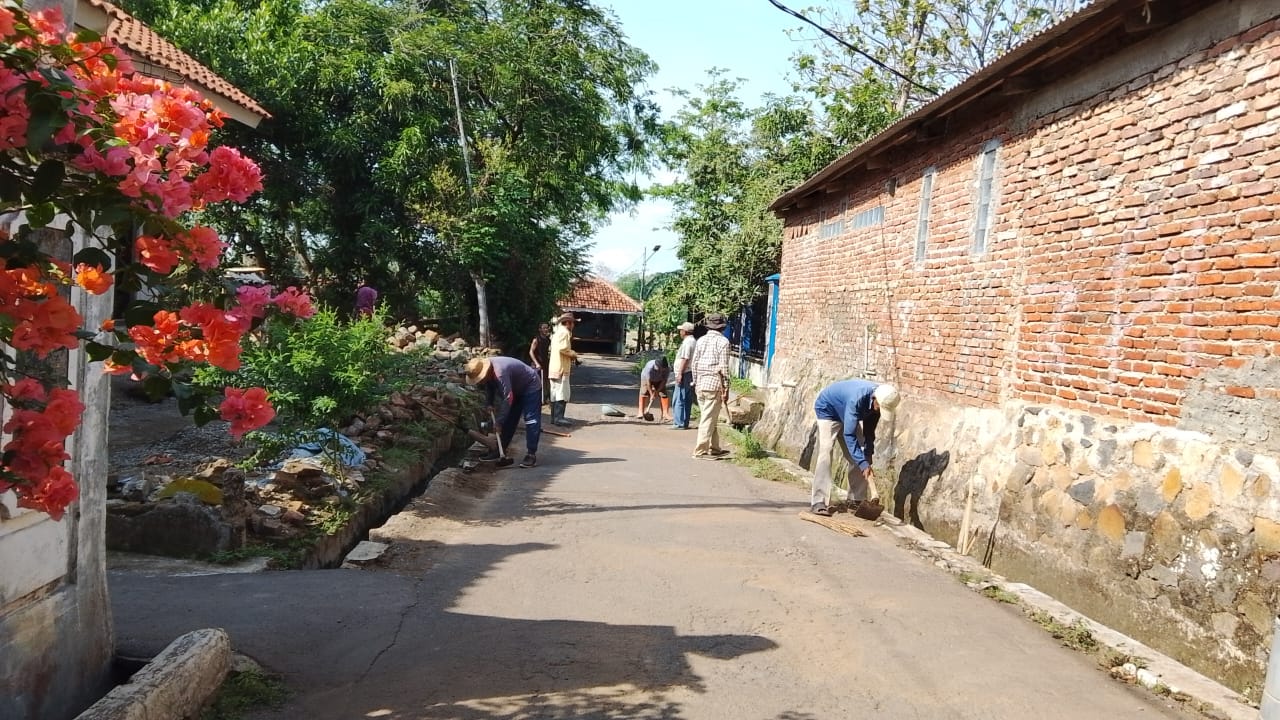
562 354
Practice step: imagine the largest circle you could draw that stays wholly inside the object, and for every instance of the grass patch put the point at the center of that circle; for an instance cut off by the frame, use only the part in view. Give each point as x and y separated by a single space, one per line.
969 578
1076 636
280 557
999 594
245 691
741 386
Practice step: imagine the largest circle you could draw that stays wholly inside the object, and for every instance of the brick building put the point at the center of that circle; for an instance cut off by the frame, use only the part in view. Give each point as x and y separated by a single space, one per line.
1070 265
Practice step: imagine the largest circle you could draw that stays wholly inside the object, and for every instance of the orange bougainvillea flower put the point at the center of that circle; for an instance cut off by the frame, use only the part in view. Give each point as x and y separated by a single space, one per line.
108 325
47 326
246 409
93 278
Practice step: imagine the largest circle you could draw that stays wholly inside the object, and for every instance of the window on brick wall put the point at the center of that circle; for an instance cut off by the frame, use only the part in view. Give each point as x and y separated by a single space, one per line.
986 193
922 222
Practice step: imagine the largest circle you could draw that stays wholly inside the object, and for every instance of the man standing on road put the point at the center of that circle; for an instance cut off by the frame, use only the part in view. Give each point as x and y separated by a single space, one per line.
561 364
711 380
521 392
540 358
682 404
851 407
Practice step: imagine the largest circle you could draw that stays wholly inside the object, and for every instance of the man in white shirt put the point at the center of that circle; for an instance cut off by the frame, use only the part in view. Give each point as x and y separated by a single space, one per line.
682 404
711 380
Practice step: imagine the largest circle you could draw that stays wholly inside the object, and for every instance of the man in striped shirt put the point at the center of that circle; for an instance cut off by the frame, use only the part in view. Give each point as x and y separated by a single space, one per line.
711 381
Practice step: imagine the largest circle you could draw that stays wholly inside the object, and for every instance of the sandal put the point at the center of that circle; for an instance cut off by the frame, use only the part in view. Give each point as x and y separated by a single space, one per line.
820 509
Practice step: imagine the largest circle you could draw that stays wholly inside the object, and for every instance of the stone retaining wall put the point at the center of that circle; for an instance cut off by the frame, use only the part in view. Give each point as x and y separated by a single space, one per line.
1165 534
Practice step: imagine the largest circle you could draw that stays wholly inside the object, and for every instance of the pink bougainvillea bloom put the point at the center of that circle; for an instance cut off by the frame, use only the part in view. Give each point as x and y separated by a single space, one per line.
254 299
246 409
156 253
294 302
202 246
230 176
6 22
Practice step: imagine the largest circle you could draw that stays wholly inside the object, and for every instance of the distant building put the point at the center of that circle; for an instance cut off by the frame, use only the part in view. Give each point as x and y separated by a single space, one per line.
602 311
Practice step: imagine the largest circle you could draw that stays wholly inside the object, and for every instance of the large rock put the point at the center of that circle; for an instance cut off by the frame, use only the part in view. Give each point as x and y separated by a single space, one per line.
745 411
176 529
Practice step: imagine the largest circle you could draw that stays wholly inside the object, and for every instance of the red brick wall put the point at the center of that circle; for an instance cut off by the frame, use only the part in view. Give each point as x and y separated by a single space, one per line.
1135 246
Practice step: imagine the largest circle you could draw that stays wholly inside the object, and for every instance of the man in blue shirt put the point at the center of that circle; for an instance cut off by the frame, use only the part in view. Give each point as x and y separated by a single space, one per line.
521 391
851 408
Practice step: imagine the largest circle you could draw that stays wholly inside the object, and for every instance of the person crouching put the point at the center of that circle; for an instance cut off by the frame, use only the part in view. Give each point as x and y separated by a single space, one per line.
521 388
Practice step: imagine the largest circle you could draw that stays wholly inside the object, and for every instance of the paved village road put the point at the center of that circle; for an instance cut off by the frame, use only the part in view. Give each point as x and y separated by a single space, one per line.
622 579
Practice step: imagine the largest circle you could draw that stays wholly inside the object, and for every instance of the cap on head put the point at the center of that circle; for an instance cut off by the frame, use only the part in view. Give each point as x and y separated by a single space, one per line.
887 396
477 369
686 327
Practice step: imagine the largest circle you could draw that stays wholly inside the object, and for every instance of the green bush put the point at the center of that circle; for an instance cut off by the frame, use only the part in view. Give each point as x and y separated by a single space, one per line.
319 372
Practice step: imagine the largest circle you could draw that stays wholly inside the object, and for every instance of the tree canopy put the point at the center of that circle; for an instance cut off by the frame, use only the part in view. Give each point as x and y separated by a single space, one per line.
428 147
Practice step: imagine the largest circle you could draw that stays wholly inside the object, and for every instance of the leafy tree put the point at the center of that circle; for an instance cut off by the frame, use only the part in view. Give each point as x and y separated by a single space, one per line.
365 173
929 45
733 162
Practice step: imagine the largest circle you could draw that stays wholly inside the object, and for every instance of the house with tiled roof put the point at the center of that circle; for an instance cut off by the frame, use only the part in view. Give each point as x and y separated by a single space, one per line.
602 311
56 638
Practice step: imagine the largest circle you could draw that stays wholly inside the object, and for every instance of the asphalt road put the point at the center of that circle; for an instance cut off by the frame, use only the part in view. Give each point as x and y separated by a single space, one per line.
623 579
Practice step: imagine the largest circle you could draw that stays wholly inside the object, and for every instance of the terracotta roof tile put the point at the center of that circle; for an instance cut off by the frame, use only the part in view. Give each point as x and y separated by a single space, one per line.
145 45
595 294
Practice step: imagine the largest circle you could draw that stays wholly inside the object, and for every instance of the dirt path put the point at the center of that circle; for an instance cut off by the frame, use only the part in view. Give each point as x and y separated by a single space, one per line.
622 579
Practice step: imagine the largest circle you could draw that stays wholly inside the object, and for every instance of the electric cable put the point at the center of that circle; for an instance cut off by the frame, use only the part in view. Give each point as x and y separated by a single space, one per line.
850 46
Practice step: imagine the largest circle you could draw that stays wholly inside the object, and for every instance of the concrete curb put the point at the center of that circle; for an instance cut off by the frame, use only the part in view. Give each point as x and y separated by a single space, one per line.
1161 671
176 684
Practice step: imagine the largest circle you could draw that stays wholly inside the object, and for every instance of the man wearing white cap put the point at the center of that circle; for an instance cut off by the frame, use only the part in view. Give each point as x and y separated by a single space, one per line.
682 404
851 408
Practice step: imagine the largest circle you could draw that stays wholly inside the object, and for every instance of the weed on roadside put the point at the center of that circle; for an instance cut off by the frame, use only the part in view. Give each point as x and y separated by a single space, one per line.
999 594
1076 636
245 691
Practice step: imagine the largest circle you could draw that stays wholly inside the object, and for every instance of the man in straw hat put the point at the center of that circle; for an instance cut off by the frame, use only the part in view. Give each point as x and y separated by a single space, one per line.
711 380
561 365
682 403
851 408
522 392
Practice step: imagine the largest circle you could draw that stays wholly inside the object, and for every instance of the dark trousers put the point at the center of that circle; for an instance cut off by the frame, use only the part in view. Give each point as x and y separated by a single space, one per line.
527 406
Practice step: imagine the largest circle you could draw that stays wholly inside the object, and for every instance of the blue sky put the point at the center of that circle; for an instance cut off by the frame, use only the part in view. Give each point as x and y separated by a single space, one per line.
686 38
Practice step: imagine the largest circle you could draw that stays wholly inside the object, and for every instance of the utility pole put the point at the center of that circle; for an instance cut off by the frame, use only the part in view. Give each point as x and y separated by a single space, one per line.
644 260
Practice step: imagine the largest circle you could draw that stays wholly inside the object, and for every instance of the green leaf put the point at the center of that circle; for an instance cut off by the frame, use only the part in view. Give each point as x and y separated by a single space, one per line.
141 312
41 215
97 351
203 414
94 256
47 117
157 386
85 35
49 177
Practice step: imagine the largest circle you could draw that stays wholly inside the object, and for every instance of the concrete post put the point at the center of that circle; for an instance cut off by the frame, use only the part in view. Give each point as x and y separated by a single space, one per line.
1271 691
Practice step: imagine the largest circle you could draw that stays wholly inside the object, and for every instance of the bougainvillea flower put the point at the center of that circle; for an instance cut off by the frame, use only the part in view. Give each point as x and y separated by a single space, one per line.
52 494
156 253
93 278
246 409
254 299
48 328
293 302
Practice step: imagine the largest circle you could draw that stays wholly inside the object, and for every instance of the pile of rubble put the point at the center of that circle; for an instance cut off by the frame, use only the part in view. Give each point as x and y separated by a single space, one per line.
217 507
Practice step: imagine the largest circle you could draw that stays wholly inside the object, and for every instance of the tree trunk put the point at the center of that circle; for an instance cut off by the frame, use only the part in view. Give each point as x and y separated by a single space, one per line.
300 250
482 307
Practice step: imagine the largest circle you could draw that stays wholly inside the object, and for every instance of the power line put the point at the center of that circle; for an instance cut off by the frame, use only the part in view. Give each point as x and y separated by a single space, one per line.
851 47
